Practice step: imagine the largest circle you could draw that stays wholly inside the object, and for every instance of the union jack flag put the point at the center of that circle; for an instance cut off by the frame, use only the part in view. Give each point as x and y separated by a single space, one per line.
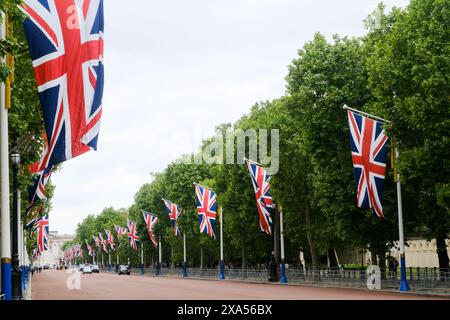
369 154
90 249
132 234
103 242
97 241
150 221
120 231
174 212
37 192
110 240
42 227
65 39
264 201
207 209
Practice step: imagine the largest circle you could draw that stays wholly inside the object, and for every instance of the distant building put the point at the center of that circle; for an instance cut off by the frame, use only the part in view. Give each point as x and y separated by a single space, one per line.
54 253
418 253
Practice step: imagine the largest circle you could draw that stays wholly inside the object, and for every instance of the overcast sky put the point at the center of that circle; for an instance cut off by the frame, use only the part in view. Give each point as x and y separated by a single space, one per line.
174 71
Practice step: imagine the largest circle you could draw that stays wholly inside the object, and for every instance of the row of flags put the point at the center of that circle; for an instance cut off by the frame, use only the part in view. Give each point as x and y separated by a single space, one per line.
67 54
207 208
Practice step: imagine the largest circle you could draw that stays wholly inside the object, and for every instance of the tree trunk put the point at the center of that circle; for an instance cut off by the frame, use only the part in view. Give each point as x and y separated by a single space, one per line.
332 259
382 264
373 257
312 246
442 251
276 237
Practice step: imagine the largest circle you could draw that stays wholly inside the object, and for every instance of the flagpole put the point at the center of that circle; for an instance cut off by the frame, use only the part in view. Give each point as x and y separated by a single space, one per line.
403 283
283 278
184 256
109 261
222 263
4 188
142 258
158 267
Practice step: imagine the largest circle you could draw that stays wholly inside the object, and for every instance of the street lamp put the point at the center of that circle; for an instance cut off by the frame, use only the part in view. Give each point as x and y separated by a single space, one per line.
16 272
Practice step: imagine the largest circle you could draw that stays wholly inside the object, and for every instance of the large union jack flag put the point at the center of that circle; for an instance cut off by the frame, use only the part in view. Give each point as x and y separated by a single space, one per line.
65 38
264 201
132 234
206 200
103 242
110 239
150 221
42 226
174 212
90 249
120 231
369 153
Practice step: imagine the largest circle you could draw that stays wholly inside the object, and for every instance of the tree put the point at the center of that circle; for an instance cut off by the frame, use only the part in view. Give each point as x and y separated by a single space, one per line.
409 74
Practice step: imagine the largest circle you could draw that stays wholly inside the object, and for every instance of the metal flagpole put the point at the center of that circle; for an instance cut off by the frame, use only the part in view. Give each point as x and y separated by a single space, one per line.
403 283
283 278
142 258
158 267
109 261
4 188
184 255
222 263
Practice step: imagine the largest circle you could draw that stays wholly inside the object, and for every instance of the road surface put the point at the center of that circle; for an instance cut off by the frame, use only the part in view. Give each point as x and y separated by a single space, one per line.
52 285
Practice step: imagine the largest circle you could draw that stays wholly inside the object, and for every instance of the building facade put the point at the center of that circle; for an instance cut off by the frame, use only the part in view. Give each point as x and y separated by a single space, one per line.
55 253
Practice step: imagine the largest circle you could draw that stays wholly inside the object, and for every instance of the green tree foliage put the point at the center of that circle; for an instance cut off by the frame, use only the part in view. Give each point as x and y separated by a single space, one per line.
409 74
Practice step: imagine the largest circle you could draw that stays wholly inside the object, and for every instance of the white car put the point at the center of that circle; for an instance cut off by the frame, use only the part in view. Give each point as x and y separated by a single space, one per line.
87 269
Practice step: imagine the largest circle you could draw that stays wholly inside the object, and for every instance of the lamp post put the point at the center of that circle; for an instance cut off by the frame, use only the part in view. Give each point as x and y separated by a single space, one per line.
16 272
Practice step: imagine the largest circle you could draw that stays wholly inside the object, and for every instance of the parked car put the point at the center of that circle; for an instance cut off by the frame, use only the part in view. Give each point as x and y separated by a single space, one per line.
124 269
81 267
87 269
95 268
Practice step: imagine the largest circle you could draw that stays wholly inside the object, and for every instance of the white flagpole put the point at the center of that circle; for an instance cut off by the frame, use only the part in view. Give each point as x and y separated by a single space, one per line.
142 258
109 261
222 263
184 256
283 264
4 188
160 250
403 283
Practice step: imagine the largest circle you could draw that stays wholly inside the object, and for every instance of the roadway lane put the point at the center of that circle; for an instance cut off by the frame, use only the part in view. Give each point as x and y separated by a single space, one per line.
51 285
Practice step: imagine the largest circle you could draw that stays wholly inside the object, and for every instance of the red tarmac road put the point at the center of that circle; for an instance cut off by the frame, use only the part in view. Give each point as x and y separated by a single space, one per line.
51 285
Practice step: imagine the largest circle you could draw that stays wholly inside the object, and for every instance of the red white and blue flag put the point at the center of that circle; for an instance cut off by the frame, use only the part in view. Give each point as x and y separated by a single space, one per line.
42 227
206 200
97 241
264 201
120 231
110 239
103 242
90 249
37 192
132 234
65 38
174 212
150 221
368 143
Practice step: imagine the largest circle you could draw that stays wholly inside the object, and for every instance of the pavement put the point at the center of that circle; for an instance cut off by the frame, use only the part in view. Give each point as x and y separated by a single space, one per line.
60 285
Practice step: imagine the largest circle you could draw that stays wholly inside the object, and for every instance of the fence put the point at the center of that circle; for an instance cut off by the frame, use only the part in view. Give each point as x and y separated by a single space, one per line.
420 280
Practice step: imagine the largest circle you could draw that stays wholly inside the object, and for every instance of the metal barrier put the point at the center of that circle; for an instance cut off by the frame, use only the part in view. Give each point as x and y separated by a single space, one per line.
2 297
421 280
